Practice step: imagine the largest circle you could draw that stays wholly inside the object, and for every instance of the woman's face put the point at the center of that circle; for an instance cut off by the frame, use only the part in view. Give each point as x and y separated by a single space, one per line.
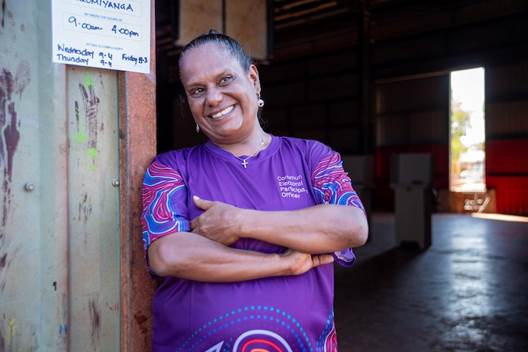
221 95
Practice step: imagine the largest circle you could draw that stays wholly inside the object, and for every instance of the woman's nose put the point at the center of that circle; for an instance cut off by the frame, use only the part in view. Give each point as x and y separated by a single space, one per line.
214 97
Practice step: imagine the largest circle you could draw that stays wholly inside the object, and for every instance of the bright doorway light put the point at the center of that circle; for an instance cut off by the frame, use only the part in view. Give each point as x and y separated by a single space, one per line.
467 152
500 217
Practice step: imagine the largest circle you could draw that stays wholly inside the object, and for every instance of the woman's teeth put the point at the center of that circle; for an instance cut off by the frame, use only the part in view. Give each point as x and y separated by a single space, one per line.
222 113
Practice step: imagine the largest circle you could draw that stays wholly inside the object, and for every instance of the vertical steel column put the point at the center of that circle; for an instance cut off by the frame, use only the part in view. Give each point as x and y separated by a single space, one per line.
137 126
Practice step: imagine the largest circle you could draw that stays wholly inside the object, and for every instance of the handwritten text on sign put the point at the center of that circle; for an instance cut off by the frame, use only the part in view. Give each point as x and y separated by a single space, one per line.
99 33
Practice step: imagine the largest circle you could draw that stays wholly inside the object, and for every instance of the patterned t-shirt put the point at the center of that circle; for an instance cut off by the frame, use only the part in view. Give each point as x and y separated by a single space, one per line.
290 313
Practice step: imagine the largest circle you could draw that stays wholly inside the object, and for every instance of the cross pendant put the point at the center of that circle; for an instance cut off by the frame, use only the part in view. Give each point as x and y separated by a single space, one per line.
245 163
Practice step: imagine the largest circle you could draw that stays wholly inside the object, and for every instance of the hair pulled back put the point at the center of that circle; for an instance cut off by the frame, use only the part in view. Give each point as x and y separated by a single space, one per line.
225 41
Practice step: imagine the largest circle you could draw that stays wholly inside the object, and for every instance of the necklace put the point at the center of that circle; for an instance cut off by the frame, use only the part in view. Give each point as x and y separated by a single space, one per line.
263 143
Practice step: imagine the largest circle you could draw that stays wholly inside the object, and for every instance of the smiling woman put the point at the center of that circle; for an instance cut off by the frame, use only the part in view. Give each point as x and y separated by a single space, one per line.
223 97
243 228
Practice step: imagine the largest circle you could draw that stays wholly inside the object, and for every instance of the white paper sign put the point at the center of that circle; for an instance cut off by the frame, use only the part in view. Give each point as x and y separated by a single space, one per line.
106 34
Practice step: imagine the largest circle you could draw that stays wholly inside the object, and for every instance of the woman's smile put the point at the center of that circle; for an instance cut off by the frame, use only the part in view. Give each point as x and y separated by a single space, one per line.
222 113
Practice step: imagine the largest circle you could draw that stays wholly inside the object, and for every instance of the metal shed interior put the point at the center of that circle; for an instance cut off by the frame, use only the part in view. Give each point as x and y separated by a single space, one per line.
372 77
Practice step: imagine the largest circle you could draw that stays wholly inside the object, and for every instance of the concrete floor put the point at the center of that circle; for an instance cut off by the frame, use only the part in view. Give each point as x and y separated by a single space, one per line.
468 292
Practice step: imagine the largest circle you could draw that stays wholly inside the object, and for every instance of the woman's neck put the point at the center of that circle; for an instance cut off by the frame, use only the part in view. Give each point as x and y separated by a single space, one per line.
256 141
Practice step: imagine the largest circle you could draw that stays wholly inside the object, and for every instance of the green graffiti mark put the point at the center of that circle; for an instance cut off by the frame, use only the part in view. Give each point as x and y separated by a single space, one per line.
88 80
92 152
80 137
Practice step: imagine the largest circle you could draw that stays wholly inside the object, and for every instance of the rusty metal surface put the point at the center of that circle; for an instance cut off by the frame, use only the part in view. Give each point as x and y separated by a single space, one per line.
59 220
138 147
137 129
33 280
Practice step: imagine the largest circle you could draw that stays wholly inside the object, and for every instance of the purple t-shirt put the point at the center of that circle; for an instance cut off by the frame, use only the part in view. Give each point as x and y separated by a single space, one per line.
290 313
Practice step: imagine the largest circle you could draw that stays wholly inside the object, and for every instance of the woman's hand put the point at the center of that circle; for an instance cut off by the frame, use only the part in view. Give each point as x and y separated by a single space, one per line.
218 222
303 262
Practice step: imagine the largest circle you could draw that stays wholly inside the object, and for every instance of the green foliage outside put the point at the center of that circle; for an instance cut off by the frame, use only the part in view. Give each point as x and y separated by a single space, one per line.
459 125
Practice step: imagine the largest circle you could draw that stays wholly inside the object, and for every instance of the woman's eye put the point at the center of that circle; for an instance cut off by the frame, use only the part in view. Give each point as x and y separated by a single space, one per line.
196 92
225 80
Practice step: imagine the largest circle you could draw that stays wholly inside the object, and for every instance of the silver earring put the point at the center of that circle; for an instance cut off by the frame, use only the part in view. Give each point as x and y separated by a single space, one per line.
197 128
260 102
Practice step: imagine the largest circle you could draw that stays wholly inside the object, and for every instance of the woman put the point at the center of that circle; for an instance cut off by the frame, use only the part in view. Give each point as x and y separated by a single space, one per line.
241 227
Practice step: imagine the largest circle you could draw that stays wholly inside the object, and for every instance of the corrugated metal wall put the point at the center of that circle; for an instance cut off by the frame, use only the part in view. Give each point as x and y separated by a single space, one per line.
410 41
411 116
316 98
59 229
507 136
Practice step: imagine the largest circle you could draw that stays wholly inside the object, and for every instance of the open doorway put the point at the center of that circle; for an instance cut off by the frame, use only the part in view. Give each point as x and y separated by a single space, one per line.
467 139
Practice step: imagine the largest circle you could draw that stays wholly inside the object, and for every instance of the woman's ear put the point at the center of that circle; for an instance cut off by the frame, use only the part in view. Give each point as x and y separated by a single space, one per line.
254 77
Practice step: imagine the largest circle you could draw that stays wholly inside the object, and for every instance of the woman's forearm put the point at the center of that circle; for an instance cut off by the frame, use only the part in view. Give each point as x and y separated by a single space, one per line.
190 256
318 229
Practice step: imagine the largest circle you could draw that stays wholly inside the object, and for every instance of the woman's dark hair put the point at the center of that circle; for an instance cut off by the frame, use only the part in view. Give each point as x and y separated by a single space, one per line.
225 41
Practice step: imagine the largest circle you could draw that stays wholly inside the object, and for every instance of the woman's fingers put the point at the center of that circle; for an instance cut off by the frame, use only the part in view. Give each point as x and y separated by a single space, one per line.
302 262
321 259
202 203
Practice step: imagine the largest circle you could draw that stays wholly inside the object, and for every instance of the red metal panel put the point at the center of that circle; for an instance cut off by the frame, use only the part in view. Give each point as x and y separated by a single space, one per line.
507 156
507 173
511 193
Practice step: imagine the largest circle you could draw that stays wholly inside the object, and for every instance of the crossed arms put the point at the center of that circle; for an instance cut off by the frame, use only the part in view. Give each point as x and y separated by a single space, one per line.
204 253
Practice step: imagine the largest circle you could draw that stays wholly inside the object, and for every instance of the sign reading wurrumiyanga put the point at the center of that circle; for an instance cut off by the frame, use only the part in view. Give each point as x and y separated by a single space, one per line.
102 33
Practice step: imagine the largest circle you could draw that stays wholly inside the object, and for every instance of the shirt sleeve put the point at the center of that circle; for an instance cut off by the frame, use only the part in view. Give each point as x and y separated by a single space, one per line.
164 203
332 185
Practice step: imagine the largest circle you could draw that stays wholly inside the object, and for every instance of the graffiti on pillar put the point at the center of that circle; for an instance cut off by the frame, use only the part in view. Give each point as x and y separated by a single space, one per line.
95 322
11 88
2 20
86 130
6 15
85 209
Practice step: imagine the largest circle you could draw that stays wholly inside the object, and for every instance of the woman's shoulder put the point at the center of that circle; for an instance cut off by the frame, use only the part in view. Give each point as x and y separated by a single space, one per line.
177 158
301 143
305 146
313 151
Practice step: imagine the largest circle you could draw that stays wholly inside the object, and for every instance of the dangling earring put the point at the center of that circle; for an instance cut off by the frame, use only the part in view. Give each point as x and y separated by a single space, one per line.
260 102
197 128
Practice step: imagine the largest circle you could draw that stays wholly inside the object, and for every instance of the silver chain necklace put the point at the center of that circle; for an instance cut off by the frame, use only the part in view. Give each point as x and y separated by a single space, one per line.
262 145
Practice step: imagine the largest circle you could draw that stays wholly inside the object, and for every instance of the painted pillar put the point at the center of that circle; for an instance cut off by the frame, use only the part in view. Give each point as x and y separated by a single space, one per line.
34 287
93 207
74 143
